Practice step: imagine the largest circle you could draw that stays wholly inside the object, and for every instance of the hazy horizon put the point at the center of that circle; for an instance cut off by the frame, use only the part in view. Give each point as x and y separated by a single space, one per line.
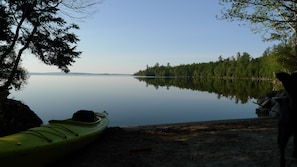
126 36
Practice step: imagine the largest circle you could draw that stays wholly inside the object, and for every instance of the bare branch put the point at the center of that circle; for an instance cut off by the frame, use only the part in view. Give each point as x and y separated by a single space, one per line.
79 9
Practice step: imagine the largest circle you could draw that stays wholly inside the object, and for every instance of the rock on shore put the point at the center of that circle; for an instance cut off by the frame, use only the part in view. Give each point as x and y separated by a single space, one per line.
16 116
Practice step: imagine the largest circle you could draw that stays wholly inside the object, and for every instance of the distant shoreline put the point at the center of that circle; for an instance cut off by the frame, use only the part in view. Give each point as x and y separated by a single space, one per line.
74 73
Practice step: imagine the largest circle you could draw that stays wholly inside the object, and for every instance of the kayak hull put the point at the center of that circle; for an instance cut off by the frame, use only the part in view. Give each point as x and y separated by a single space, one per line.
41 145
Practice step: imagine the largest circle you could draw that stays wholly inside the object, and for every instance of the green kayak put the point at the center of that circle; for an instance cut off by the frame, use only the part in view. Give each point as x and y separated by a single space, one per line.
40 145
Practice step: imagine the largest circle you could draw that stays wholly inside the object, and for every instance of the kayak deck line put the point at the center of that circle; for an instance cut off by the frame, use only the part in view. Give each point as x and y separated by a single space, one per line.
41 133
62 128
38 134
54 126
56 132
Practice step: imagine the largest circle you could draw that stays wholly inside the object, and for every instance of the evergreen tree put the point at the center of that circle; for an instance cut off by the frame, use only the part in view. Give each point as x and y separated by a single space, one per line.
276 20
241 67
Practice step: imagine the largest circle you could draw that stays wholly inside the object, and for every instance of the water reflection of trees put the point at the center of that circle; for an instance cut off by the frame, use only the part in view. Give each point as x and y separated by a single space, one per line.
238 90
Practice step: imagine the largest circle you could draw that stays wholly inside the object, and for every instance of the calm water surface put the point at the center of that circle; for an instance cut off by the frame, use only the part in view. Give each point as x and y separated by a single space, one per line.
128 101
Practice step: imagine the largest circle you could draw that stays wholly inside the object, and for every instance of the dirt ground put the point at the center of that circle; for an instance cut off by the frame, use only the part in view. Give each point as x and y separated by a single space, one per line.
250 143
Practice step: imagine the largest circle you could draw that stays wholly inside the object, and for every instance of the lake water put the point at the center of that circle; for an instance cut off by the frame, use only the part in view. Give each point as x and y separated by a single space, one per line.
128 101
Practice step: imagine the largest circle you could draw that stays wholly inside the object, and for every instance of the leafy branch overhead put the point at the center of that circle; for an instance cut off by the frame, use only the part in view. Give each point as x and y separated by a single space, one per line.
277 20
36 26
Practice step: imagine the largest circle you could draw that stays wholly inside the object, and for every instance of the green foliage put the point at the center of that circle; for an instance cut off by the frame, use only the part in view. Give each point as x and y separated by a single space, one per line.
243 66
287 57
229 88
276 20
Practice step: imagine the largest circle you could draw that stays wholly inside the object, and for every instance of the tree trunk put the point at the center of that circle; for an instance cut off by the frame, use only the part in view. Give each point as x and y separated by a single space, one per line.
10 48
17 61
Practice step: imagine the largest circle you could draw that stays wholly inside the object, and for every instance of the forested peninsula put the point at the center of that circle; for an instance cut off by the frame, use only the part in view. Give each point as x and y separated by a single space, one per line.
242 66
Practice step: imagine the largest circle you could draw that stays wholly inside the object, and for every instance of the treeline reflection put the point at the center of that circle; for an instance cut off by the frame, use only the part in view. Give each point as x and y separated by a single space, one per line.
240 90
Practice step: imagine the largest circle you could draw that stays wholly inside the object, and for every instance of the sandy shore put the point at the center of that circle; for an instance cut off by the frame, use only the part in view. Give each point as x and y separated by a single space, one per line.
249 142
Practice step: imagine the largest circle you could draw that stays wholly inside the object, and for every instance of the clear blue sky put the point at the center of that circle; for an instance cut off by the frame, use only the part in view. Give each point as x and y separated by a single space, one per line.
124 36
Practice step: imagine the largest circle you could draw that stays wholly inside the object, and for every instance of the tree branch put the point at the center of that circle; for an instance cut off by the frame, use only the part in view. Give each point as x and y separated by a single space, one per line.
18 59
12 45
